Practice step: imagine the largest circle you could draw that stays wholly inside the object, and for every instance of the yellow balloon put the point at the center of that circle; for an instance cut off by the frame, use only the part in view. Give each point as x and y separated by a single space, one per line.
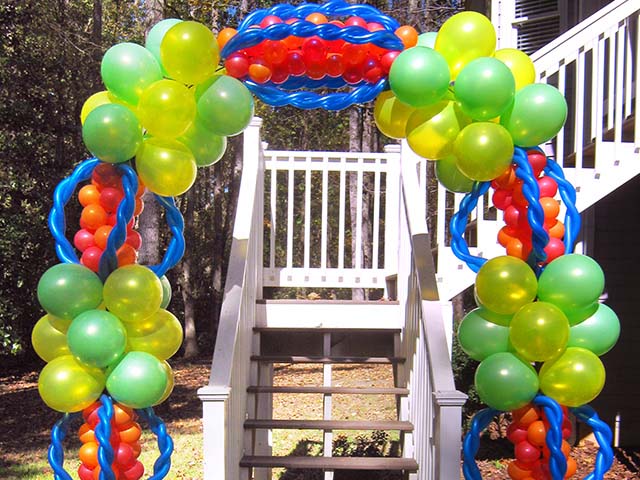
163 341
464 37
94 101
66 385
49 342
432 131
167 167
391 115
170 383
132 293
520 65
166 108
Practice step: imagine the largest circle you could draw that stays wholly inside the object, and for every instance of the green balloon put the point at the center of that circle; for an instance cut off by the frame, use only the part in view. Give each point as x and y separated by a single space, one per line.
539 331
112 133
162 341
537 115
66 385
127 70
138 381
226 107
419 76
494 317
155 36
485 88
427 39
598 333
480 338
505 382
207 147
166 291
573 283
505 284
132 293
97 338
451 177
68 289
48 342
574 378
484 150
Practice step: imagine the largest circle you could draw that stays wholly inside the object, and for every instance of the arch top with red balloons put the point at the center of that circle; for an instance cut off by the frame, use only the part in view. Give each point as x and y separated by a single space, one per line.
168 108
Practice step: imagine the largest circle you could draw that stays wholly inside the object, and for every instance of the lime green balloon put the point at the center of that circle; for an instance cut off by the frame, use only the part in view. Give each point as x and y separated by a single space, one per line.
539 331
484 151
132 293
48 342
68 289
97 338
480 338
419 76
574 378
189 52
485 88
598 333
520 64
164 341
155 37
166 291
207 148
505 284
427 39
226 107
128 69
505 382
432 130
494 317
138 381
60 324
112 133
391 115
573 283
451 177
170 383
464 37
94 101
167 167
536 116
166 109
66 385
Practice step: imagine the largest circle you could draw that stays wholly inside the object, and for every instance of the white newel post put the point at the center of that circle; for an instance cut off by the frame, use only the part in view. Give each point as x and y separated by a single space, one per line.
214 419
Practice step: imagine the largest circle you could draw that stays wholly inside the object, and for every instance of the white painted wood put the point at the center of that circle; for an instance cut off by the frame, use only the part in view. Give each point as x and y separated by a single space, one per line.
327 402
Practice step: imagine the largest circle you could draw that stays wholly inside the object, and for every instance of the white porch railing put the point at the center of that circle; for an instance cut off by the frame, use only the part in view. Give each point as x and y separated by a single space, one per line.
595 66
225 398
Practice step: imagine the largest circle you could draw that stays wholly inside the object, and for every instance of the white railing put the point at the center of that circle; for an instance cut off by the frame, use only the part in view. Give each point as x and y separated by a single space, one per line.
595 66
434 406
312 216
225 398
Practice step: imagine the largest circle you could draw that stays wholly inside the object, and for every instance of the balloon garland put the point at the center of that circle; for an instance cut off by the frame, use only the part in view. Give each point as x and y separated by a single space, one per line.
168 109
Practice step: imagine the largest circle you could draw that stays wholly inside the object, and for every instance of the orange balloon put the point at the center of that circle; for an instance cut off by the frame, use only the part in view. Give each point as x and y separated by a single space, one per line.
515 248
127 255
408 35
557 230
316 18
136 448
537 433
102 235
225 35
525 416
93 216
572 466
505 235
550 206
88 194
89 454
129 432
506 180
141 188
517 471
139 207
86 434
123 414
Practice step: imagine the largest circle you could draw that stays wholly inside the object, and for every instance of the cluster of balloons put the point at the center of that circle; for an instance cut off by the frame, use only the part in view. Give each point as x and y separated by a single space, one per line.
277 60
515 236
166 105
554 322
100 200
462 101
528 433
117 335
125 438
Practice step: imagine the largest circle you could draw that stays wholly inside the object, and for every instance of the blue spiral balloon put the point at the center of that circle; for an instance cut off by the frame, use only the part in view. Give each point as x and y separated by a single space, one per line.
471 444
55 454
162 465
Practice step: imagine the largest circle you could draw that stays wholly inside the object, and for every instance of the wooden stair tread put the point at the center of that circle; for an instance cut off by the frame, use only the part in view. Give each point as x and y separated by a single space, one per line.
332 463
322 359
328 424
329 390
324 330
262 301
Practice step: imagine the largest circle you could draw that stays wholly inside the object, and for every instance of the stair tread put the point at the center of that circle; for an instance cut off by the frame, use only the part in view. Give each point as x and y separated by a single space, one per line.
323 359
285 301
332 463
329 424
325 330
328 390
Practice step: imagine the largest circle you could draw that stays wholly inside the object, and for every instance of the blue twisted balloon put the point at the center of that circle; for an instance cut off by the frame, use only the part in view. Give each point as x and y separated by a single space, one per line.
568 194
602 432
471 443
553 412
162 465
103 436
61 196
176 248
55 454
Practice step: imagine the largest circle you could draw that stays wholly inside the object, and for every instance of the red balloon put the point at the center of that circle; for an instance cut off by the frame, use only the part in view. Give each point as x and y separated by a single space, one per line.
537 160
84 472
517 197
354 54
548 187
125 456
133 473
335 65
91 258
316 71
355 22
516 433
526 452
279 74
554 249
106 175
501 199
511 216
83 239
110 198
270 20
295 63
237 65
314 50
335 46
275 51
372 70
352 74
374 49
387 60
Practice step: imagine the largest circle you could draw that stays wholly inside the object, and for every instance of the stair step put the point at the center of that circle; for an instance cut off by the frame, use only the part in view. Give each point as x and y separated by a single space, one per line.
322 359
332 463
328 425
330 390
324 330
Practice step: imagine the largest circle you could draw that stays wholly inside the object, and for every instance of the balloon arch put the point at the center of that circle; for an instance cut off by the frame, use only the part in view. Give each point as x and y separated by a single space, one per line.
538 330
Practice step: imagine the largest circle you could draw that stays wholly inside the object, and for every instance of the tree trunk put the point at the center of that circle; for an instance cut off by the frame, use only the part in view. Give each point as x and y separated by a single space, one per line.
149 229
185 280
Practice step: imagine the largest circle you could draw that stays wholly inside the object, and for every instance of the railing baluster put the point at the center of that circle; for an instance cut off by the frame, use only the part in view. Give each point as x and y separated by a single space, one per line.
376 218
611 78
560 154
578 138
598 102
290 192
357 262
325 199
619 95
628 86
341 217
636 122
307 211
272 228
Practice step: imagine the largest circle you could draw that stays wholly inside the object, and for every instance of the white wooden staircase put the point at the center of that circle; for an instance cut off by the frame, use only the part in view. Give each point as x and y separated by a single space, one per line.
293 229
